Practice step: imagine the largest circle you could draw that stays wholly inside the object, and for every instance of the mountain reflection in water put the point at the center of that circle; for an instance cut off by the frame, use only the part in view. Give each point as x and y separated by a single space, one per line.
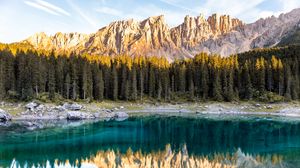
165 159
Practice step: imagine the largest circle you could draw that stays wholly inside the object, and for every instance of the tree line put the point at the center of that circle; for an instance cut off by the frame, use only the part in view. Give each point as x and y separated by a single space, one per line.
259 74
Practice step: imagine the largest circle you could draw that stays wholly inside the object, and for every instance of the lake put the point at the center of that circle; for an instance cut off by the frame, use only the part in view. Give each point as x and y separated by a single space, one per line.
163 140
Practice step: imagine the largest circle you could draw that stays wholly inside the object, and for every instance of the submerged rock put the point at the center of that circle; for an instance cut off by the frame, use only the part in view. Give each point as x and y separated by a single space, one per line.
78 115
121 115
4 116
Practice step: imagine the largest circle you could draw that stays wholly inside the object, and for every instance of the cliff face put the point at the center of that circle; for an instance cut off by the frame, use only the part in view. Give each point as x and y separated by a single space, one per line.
131 37
195 30
219 34
59 41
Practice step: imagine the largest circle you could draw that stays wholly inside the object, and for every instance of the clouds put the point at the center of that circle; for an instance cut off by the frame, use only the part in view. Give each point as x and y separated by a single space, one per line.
109 11
82 14
90 15
47 7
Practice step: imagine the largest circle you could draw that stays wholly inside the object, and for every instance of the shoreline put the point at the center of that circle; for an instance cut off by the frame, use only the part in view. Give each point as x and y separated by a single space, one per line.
35 115
79 110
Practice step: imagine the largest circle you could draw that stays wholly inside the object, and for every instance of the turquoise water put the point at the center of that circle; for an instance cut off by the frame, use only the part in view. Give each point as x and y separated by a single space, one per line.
203 136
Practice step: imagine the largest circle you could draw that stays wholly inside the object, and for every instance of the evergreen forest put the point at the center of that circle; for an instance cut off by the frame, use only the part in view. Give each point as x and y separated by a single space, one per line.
263 74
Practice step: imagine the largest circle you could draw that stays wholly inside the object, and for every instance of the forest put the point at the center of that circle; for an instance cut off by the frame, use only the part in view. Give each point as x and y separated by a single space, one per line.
263 74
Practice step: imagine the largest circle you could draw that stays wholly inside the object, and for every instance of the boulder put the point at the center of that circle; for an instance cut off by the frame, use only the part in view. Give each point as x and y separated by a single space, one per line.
121 115
40 107
72 106
78 115
4 116
257 105
31 106
59 108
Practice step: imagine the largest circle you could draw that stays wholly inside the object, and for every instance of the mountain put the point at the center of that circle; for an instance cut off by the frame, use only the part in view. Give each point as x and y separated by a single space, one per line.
220 34
293 38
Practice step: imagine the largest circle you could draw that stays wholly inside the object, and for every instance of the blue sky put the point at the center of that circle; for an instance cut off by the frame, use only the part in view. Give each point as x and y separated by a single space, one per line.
22 18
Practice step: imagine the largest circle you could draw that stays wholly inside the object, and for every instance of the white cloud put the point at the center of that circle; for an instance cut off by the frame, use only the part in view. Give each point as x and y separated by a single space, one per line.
53 7
47 7
109 11
35 5
82 14
175 4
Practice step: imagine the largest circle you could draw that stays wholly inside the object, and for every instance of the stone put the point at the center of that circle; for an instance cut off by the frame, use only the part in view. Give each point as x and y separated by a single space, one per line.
4 116
78 115
60 109
269 107
31 106
72 106
121 115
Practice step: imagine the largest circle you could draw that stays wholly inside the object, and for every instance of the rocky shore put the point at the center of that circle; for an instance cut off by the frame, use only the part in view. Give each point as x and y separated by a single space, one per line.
34 114
35 111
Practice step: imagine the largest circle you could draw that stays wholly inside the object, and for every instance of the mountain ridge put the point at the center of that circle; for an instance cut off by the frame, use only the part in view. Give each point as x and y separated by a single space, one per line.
219 34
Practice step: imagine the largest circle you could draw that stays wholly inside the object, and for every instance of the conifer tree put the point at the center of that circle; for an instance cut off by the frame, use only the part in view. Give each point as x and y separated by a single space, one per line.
67 86
133 84
182 78
141 77
260 78
247 91
114 83
217 95
151 82
2 79
51 77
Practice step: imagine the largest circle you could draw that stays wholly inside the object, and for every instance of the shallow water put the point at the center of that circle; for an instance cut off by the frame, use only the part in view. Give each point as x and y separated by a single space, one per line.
201 136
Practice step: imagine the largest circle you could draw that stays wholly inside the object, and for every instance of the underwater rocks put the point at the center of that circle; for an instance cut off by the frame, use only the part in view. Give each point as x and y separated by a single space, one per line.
78 115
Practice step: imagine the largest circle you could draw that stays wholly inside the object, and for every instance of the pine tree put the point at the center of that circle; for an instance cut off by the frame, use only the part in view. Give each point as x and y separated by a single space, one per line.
151 82
280 78
159 90
74 79
182 78
133 84
217 95
114 83
98 84
124 84
191 89
141 83
247 91
51 77
2 79
260 69
204 82
87 82
230 90
67 86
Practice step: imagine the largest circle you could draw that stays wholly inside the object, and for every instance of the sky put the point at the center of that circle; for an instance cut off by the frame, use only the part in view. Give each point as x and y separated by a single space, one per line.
20 19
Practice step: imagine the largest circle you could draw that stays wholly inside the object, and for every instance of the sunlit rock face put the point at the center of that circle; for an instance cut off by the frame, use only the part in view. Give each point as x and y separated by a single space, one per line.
195 30
218 34
59 41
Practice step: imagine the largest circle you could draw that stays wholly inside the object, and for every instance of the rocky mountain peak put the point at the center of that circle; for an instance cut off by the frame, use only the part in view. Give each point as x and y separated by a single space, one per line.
219 34
223 23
